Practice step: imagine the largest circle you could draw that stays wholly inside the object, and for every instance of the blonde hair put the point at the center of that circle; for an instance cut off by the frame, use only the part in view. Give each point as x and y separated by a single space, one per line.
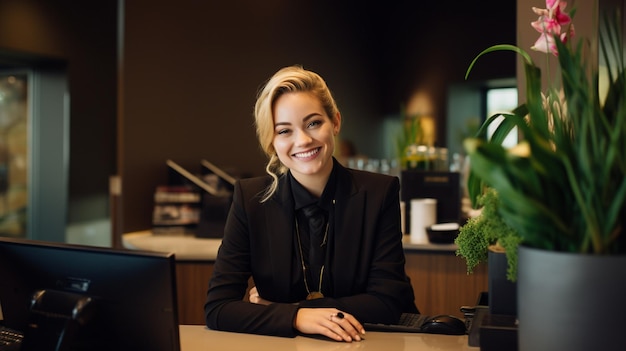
287 80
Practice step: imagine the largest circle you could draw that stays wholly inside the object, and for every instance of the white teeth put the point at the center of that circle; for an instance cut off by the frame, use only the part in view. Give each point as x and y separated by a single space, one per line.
307 154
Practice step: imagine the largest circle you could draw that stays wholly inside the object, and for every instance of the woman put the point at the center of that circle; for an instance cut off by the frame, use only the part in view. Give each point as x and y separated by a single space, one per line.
321 243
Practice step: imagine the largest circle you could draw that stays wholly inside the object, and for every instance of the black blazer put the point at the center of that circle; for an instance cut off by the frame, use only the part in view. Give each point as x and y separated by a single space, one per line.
365 254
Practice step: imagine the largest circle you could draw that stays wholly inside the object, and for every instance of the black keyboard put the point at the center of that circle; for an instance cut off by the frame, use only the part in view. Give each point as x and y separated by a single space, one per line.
408 323
10 340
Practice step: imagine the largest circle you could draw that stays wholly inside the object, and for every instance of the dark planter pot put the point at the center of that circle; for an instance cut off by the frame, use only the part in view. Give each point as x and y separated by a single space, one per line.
570 301
502 292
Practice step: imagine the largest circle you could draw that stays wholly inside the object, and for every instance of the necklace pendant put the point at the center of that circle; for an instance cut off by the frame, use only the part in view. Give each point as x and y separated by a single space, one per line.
314 295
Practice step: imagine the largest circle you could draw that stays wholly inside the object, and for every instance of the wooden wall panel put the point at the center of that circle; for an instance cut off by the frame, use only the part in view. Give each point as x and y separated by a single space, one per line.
440 282
192 283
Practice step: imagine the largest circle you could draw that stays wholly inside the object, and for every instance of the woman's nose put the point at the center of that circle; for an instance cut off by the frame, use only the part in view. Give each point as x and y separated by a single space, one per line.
302 137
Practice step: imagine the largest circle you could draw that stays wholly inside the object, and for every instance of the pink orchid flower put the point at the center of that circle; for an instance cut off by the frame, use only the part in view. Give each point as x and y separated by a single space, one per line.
550 23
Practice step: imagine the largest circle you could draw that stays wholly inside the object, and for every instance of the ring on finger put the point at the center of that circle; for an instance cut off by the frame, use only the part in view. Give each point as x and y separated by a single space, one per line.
339 315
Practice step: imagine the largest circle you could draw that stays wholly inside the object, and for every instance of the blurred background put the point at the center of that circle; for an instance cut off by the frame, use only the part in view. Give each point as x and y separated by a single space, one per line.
116 88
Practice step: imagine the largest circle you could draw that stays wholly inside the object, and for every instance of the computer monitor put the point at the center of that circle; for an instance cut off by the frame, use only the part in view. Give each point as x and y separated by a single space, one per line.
133 292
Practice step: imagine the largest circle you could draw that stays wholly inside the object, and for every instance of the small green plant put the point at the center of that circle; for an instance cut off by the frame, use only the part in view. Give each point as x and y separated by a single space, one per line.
411 133
487 232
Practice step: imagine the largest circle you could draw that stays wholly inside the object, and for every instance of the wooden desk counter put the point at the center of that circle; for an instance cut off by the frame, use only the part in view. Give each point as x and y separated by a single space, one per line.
439 277
185 247
196 338
440 280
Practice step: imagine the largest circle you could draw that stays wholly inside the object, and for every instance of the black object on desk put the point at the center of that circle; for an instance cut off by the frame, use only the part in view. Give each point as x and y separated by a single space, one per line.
134 293
444 324
498 332
55 319
475 322
10 339
488 330
474 317
442 233
419 323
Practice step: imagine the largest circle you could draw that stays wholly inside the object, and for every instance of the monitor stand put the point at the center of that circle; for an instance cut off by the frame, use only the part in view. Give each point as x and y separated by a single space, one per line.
55 318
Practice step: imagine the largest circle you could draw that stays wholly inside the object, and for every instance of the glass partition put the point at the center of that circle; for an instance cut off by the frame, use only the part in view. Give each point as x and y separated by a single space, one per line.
13 153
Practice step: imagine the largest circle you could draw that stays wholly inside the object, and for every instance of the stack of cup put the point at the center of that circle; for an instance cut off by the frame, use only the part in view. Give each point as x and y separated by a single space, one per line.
423 215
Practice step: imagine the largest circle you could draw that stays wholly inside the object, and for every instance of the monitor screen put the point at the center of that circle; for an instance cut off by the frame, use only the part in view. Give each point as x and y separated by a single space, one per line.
133 292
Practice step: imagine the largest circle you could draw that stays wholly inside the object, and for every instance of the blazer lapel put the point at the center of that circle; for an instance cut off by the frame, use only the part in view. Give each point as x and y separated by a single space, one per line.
279 228
348 221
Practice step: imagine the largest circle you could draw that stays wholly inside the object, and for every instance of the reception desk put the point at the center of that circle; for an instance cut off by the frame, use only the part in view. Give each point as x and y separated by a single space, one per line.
196 338
190 248
439 277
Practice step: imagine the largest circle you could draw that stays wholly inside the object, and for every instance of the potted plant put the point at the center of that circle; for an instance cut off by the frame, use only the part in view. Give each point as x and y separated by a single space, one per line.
487 238
563 188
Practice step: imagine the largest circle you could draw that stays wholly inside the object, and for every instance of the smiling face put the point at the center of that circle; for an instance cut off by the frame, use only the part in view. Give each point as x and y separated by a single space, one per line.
304 138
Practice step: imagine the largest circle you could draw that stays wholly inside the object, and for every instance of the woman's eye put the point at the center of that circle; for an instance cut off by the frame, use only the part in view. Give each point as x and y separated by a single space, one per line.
314 123
282 131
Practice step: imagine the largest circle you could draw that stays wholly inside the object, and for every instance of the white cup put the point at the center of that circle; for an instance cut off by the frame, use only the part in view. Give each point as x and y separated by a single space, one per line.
423 215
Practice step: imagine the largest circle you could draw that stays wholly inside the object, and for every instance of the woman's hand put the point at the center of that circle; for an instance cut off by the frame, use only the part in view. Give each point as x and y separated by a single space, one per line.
330 322
254 297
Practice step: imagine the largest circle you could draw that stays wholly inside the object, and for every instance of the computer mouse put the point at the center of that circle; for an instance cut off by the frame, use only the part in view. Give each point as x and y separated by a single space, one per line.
444 324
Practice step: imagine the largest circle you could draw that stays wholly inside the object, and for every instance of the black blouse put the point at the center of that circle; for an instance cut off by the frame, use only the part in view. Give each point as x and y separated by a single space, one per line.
311 237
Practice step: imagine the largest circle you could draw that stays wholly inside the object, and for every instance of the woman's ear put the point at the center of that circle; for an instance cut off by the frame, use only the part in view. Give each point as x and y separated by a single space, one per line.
337 123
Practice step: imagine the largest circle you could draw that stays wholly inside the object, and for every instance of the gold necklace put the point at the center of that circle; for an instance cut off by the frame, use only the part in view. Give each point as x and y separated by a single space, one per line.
312 295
